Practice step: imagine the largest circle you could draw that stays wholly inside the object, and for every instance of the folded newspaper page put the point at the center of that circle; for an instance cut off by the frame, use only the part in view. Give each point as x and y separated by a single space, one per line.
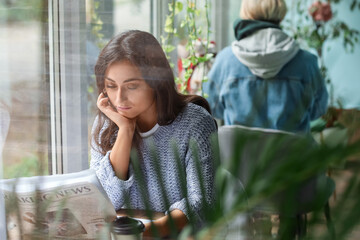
66 206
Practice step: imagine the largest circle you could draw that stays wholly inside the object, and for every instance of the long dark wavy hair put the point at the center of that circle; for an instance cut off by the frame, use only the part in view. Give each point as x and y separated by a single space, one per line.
143 51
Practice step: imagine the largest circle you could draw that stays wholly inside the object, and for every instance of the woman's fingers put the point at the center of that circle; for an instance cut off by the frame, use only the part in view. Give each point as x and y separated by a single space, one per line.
101 96
105 106
102 101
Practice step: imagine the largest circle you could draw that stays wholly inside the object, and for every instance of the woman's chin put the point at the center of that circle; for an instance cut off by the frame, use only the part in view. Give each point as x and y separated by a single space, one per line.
126 115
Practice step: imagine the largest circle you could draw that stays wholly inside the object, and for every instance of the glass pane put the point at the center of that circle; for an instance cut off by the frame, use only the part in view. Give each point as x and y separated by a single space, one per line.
23 88
25 140
105 19
131 14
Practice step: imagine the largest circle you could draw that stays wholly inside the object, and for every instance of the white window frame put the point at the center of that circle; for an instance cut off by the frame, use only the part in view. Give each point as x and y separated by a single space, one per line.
220 22
158 12
68 89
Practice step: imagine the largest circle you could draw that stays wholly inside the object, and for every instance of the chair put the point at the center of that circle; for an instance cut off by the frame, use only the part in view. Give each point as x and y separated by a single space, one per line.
233 192
260 156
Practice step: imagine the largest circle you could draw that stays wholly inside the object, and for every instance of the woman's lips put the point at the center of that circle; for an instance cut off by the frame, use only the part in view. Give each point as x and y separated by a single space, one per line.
123 108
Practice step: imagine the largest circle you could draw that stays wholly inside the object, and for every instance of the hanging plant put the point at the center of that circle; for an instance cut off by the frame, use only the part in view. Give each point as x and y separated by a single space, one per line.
313 23
190 18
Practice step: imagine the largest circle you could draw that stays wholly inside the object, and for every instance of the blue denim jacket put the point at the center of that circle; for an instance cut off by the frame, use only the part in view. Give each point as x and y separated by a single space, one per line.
288 101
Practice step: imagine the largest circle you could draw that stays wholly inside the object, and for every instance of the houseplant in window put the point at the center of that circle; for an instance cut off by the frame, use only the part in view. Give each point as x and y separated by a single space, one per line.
315 24
187 30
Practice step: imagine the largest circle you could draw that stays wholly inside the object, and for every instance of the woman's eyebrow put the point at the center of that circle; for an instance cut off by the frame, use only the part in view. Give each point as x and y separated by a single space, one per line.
132 79
107 78
127 80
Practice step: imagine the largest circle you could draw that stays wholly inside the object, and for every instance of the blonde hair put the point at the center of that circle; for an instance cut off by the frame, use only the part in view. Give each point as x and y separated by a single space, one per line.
266 10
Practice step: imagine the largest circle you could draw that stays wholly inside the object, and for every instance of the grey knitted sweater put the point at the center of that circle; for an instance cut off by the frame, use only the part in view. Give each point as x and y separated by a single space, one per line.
193 124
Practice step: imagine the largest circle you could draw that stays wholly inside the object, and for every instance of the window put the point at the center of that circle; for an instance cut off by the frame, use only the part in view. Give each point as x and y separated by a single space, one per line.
47 87
47 90
23 88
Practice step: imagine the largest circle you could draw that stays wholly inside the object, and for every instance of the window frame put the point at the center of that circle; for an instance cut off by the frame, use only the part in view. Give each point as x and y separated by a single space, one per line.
67 82
68 135
68 88
69 139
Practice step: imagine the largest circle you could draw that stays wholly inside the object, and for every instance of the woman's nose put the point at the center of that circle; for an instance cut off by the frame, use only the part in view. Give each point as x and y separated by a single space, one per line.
121 95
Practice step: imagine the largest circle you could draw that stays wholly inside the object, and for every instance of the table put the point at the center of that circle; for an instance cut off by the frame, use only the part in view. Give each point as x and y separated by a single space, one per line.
137 213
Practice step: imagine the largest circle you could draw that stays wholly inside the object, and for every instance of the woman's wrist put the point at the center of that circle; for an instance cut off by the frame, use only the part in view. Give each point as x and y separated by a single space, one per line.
126 131
120 153
163 225
157 227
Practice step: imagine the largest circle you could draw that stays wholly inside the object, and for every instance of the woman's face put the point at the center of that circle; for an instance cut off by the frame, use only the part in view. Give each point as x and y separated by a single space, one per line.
128 92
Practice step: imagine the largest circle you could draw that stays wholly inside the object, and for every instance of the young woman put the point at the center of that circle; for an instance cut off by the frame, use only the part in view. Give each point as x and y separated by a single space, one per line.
264 79
139 107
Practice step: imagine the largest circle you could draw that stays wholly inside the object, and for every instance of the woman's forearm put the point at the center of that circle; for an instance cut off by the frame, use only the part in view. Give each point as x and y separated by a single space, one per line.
120 153
163 226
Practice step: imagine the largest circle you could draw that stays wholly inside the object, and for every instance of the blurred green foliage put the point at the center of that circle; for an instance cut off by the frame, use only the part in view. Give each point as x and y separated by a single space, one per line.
314 34
190 21
28 166
280 167
21 10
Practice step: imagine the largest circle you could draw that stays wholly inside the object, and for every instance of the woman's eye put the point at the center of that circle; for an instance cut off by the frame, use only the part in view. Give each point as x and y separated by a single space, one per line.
132 86
110 86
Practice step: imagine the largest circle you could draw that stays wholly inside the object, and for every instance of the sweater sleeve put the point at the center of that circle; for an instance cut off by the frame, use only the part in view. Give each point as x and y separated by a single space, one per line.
113 186
197 193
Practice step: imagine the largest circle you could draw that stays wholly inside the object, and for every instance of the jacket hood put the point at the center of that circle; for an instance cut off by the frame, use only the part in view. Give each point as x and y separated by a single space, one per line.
265 51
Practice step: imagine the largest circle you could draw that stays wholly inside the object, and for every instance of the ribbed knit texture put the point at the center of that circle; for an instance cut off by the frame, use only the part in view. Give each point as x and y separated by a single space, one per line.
194 123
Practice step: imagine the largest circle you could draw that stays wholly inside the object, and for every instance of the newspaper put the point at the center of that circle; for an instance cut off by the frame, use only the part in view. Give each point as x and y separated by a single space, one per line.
67 206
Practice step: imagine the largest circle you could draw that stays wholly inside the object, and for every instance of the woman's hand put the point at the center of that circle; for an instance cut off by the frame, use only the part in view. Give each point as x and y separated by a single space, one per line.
105 106
162 225
120 153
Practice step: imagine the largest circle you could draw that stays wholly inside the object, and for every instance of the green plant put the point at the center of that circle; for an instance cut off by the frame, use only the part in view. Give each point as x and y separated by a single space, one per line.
21 11
192 20
314 23
95 39
27 167
96 23
267 179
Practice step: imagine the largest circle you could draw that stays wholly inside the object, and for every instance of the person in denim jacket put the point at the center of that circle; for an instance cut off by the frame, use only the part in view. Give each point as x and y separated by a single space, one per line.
264 79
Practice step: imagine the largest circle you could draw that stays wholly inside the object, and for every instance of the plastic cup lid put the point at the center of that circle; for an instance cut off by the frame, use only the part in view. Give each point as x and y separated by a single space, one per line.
127 226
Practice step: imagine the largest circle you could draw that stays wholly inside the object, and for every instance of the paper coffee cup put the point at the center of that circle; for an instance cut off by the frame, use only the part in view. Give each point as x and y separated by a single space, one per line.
126 228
